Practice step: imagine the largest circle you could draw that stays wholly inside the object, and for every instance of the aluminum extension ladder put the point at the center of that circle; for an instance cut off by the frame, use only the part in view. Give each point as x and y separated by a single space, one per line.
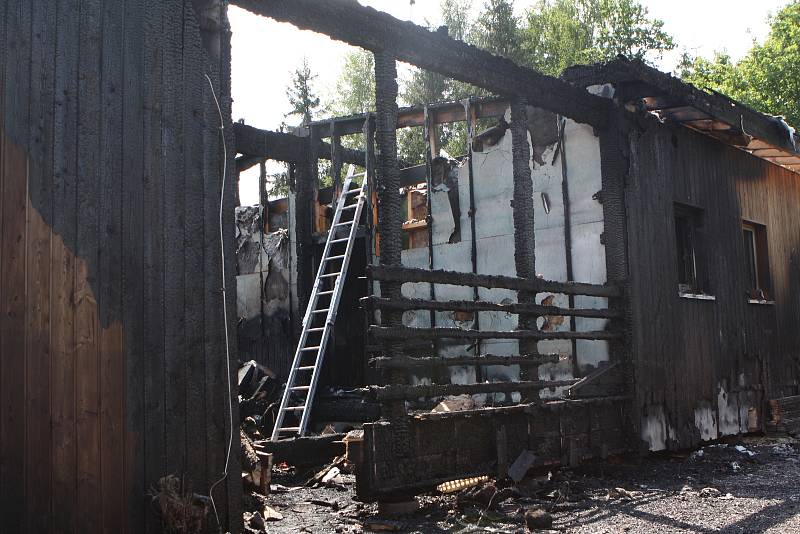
322 305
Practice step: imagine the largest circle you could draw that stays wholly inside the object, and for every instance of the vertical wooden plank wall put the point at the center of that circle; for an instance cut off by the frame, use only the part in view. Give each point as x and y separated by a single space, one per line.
112 355
700 354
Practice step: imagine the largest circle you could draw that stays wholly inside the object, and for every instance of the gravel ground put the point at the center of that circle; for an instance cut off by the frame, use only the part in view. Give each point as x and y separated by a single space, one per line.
754 487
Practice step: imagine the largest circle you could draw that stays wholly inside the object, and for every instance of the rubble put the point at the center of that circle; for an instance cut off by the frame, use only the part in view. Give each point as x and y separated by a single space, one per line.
538 519
455 403
270 514
701 488
521 465
709 492
180 510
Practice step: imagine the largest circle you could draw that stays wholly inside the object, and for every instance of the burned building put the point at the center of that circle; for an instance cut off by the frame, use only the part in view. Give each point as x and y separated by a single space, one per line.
611 265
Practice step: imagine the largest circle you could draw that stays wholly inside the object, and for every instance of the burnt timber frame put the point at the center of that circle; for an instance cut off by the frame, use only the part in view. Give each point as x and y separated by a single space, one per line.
396 446
256 145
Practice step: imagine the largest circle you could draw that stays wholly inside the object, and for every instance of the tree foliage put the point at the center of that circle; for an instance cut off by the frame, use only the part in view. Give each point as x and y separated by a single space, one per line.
302 98
355 88
498 29
553 35
767 78
424 87
562 33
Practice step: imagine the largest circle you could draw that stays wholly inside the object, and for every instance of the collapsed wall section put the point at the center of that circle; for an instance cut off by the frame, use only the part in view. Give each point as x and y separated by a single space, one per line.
552 139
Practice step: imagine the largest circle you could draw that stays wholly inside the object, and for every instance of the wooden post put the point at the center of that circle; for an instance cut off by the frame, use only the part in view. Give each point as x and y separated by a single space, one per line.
336 161
524 237
389 220
263 198
370 237
305 184
431 151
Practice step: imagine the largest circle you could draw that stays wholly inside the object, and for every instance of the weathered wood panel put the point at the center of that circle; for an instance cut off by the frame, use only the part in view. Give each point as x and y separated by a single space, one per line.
63 351
701 363
112 355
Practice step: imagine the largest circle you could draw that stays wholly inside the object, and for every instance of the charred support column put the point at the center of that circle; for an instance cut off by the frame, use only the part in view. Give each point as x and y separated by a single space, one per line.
524 239
305 184
369 236
431 151
263 199
336 160
615 163
389 220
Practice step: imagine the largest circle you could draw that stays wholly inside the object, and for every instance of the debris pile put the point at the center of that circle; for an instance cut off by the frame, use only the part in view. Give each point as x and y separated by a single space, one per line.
181 511
529 496
259 397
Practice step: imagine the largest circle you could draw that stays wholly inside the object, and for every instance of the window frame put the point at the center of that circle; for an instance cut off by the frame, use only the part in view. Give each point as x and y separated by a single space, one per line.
758 282
690 245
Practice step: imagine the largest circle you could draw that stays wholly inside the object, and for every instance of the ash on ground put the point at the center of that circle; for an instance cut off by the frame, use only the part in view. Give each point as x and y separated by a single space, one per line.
745 486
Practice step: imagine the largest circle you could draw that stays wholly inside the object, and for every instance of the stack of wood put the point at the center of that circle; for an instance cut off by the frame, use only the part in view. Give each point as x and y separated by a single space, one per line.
784 415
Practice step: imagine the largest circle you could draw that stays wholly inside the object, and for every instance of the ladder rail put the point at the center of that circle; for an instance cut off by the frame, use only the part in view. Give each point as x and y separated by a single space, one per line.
330 320
307 320
313 302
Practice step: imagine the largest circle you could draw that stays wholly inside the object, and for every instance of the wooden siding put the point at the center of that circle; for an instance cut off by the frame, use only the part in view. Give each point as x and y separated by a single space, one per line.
697 358
112 359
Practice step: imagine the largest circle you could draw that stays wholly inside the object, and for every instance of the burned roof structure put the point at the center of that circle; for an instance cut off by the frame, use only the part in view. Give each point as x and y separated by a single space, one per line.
612 267
642 87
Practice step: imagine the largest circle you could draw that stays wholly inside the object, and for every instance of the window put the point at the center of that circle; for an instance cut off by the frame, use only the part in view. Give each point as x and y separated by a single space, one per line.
756 265
414 210
691 253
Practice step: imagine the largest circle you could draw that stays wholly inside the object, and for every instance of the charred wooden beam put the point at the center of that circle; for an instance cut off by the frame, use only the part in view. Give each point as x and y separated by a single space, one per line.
390 221
257 144
405 332
474 306
348 21
305 451
523 217
633 78
407 362
408 274
441 113
404 392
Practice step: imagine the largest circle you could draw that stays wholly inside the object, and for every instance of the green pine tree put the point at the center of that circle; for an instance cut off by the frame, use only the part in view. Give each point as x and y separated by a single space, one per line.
302 97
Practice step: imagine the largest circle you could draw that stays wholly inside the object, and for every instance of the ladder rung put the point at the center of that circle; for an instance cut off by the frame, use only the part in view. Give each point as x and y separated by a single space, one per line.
350 207
320 329
325 310
340 240
329 275
300 388
294 408
346 223
305 368
308 349
351 191
324 293
290 429
339 257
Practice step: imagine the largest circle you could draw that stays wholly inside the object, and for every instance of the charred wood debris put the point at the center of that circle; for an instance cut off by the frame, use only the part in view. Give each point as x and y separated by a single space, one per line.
309 484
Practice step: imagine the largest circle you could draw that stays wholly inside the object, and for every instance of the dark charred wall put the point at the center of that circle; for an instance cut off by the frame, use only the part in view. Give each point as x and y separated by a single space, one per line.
701 364
112 354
